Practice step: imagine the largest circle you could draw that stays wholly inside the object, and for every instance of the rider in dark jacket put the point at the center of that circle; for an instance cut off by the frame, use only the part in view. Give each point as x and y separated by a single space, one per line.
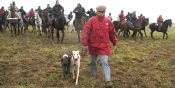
23 13
58 10
49 9
79 11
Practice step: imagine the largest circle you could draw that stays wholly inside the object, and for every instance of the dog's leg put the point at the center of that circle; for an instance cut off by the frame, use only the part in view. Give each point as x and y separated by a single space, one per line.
64 71
78 71
73 72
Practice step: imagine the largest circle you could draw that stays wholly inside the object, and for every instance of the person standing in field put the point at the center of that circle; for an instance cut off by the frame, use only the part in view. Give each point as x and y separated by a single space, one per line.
97 33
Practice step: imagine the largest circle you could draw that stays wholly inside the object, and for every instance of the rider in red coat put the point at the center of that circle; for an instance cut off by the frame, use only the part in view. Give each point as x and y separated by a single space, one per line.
159 21
2 11
31 14
122 16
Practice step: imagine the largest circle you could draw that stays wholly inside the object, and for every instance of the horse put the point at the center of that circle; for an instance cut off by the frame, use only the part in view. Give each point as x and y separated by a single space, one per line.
58 23
137 28
126 26
117 25
47 23
14 20
145 22
78 24
30 22
2 22
154 27
38 23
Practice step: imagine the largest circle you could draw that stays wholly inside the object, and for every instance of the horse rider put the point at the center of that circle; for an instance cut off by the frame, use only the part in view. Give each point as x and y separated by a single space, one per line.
39 10
110 16
122 17
141 17
31 14
48 9
79 13
91 13
2 11
159 22
13 5
70 16
23 13
58 10
133 16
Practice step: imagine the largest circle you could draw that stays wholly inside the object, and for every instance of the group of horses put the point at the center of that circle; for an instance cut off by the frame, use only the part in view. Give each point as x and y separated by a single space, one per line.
43 23
47 24
138 25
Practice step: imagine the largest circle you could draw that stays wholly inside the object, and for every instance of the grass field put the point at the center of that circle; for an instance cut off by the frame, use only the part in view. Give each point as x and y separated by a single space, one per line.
29 61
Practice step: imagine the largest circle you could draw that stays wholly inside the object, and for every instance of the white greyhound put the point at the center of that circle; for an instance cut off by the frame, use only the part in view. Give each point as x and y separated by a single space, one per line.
75 65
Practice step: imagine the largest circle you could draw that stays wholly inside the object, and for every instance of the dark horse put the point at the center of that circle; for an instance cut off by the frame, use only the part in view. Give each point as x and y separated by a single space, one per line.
2 22
126 26
145 22
30 21
163 29
58 23
47 23
117 25
140 24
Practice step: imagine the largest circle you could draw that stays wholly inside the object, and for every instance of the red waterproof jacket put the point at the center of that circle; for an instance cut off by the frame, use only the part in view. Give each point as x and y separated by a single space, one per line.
2 11
159 20
97 35
31 13
122 16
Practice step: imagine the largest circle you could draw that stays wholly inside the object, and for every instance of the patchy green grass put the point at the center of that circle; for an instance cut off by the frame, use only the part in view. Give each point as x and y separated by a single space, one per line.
30 61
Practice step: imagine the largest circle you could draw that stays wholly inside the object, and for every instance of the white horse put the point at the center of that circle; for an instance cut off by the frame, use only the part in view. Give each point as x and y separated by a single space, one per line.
18 17
38 23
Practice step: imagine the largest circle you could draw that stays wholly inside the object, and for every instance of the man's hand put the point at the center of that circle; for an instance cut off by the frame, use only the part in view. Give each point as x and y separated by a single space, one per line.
85 48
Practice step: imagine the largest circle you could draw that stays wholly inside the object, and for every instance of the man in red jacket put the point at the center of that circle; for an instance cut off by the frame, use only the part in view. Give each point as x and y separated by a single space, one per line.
96 36
31 14
2 11
122 17
159 22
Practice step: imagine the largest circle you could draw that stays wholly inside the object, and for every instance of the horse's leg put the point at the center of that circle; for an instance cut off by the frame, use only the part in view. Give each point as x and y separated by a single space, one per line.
52 32
141 34
78 32
62 30
18 24
152 34
134 33
58 35
163 35
14 28
11 29
145 33
166 35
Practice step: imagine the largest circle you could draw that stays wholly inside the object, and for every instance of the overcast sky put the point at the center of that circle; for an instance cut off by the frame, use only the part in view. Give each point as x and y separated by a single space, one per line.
149 8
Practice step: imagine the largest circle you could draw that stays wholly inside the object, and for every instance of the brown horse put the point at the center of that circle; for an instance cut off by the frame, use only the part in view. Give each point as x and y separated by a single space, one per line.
78 24
126 26
47 23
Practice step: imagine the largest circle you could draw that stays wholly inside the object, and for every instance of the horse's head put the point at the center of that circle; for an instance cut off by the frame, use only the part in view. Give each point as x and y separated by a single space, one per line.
146 21
167 22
